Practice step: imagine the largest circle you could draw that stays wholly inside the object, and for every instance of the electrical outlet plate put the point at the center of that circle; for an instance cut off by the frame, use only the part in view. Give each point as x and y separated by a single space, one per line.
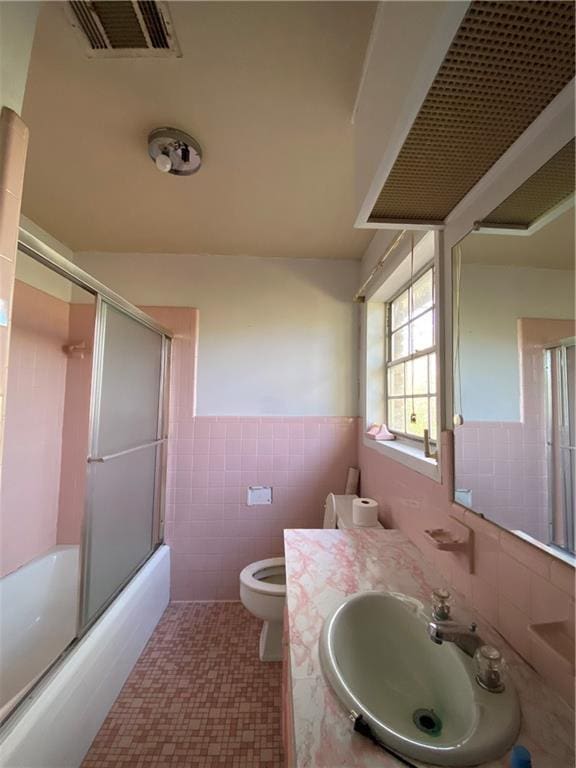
259 494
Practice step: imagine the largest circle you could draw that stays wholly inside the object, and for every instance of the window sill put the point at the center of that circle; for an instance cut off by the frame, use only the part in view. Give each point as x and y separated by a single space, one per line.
408 455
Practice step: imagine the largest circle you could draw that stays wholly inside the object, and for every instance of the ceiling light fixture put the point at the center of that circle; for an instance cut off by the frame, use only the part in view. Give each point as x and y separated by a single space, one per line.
174 151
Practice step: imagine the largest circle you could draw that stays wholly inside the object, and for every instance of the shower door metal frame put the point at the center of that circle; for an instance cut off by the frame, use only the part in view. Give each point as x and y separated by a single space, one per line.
557 424
84 622
39 251
44 254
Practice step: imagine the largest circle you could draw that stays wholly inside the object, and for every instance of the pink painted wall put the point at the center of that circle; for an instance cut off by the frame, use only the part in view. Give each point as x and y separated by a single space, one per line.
75 428
212 532
33 429
504 463
515 585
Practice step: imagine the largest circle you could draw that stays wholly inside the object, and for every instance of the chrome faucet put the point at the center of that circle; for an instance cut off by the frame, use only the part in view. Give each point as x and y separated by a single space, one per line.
488 661
462 635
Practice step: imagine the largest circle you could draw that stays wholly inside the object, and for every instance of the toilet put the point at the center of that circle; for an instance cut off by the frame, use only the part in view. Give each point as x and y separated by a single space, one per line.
263 583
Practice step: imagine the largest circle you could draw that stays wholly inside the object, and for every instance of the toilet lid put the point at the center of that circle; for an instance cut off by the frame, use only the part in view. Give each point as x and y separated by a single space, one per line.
330 511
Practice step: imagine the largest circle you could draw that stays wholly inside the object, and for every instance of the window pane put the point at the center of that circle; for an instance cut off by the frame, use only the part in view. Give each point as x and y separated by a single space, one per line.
396 415
422 330
396 379
420 375
400 310
432 372
418 407
422 294
432 418
408 377
400 343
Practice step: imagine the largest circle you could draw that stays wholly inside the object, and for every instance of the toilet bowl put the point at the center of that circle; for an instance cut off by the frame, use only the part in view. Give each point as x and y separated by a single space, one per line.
263 592
263 584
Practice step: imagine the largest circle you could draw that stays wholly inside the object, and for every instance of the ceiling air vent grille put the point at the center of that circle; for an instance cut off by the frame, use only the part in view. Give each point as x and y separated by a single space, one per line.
506 63
124 28
549 187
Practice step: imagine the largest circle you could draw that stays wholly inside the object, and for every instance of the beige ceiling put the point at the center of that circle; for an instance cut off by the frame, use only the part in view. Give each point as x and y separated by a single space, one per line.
267 88
551 247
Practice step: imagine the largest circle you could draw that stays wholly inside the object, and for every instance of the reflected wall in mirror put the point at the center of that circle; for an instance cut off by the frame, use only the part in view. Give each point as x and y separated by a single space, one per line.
514 359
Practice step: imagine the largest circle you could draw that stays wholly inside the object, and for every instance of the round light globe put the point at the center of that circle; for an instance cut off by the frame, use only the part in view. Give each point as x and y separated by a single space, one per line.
163 163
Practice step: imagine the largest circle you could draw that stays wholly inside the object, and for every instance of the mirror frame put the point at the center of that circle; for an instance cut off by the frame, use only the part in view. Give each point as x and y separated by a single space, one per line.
553 128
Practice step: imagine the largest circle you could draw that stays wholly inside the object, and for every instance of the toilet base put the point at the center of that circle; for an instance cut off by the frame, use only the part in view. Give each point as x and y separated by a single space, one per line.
271 641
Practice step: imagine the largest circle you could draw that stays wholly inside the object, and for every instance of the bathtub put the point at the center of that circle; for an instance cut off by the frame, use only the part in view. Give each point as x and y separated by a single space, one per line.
38 613
56 722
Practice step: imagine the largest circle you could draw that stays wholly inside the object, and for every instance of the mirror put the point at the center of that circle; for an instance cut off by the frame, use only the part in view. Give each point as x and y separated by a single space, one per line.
514 361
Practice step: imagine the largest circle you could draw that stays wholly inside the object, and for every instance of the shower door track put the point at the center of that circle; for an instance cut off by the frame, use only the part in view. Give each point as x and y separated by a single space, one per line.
41 252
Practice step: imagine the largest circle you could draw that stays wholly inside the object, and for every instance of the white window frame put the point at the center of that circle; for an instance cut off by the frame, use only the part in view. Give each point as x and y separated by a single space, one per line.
406 450
433 349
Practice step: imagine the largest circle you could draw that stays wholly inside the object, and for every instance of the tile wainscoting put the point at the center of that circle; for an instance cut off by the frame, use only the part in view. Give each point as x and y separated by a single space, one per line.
514 586
212 461
211 530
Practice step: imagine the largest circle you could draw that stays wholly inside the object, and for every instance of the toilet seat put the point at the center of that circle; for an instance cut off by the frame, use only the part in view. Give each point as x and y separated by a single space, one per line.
249 580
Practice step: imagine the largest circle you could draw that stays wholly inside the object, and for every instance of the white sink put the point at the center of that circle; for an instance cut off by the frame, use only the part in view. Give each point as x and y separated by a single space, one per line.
376 655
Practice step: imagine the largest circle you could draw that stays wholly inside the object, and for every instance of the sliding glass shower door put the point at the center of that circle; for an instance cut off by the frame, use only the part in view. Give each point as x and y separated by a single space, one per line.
122 523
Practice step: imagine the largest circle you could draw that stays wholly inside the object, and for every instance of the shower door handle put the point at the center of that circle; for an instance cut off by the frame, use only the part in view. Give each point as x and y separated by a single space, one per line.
107 457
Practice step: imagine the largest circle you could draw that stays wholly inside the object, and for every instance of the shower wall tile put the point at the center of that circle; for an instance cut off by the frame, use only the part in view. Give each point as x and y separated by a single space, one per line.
13 148
212 461
75 429
183 322
29 497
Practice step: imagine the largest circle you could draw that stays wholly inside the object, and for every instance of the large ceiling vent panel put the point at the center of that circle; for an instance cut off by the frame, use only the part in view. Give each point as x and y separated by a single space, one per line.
124 28
506 63
550 187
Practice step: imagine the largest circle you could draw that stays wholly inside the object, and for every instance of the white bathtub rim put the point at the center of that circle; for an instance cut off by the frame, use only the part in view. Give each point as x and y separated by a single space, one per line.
53 550
38 619
59 675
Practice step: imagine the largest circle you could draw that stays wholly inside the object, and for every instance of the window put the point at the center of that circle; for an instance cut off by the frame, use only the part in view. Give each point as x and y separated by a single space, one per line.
411 359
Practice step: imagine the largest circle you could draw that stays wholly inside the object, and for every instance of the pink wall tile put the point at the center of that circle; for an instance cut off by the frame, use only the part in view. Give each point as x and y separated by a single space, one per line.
256 451
514 582
33 429
562 575
514 453
75 428
531 586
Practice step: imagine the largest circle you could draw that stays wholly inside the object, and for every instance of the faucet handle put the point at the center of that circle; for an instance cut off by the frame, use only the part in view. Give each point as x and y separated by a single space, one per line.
441 599
490 668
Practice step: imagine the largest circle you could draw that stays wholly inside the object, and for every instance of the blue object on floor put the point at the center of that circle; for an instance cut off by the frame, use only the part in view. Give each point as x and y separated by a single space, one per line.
520 757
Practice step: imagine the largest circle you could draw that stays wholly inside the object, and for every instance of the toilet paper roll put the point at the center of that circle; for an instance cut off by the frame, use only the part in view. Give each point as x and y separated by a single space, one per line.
364 512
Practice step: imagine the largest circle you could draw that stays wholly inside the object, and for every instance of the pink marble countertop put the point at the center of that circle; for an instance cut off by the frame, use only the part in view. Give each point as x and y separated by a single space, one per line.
325 566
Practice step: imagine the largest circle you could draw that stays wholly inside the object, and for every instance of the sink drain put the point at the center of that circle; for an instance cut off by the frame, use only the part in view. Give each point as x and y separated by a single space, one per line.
427 721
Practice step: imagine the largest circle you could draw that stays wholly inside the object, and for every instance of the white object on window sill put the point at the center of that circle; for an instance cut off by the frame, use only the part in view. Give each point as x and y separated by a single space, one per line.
410 455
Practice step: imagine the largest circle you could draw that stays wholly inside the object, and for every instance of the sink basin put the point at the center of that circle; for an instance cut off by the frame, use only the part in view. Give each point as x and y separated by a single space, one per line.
420 699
